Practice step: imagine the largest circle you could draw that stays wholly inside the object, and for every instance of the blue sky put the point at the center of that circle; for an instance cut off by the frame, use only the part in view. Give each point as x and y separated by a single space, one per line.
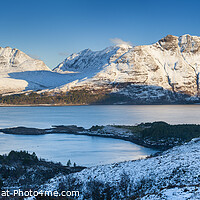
52 29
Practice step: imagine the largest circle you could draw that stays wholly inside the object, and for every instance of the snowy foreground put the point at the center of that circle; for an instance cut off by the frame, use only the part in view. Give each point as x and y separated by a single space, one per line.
174 174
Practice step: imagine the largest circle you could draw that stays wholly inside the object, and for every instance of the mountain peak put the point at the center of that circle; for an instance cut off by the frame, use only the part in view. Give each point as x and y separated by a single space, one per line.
124 45
169 42
188 43
185 43
14 60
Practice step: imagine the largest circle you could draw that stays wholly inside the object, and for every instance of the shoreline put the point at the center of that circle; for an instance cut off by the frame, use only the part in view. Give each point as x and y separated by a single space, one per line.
61 105
155 135
137 142
40 105
109 131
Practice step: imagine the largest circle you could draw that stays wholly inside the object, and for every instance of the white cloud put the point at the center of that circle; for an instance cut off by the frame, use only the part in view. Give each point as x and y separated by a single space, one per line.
118 41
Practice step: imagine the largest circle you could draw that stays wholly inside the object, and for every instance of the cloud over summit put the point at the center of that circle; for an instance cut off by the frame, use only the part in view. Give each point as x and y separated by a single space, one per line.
118 41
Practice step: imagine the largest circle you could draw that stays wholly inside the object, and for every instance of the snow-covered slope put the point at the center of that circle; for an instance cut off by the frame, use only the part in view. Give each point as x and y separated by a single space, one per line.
175 174
19 72
172 63
14 61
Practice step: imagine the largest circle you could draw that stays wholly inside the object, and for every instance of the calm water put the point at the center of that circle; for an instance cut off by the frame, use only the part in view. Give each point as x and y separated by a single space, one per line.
86 116
86 150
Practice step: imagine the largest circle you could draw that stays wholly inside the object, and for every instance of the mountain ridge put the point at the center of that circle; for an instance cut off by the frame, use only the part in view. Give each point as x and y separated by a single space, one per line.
166 69
172 63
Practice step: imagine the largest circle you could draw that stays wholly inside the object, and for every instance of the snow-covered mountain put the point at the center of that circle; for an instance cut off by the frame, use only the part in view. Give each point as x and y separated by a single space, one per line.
167 70
174 174
171 64
19 72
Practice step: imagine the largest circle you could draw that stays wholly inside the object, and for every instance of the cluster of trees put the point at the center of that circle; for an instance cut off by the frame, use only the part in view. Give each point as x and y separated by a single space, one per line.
162 135
72 97
95 189
96 128
27 170
22 157
162 130
69 164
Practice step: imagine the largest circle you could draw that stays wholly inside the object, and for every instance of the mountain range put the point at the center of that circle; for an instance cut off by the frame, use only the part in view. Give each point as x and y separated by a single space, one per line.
164 72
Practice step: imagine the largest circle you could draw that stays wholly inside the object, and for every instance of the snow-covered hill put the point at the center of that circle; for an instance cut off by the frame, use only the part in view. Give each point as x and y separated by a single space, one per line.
15 61
175 174
19 72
